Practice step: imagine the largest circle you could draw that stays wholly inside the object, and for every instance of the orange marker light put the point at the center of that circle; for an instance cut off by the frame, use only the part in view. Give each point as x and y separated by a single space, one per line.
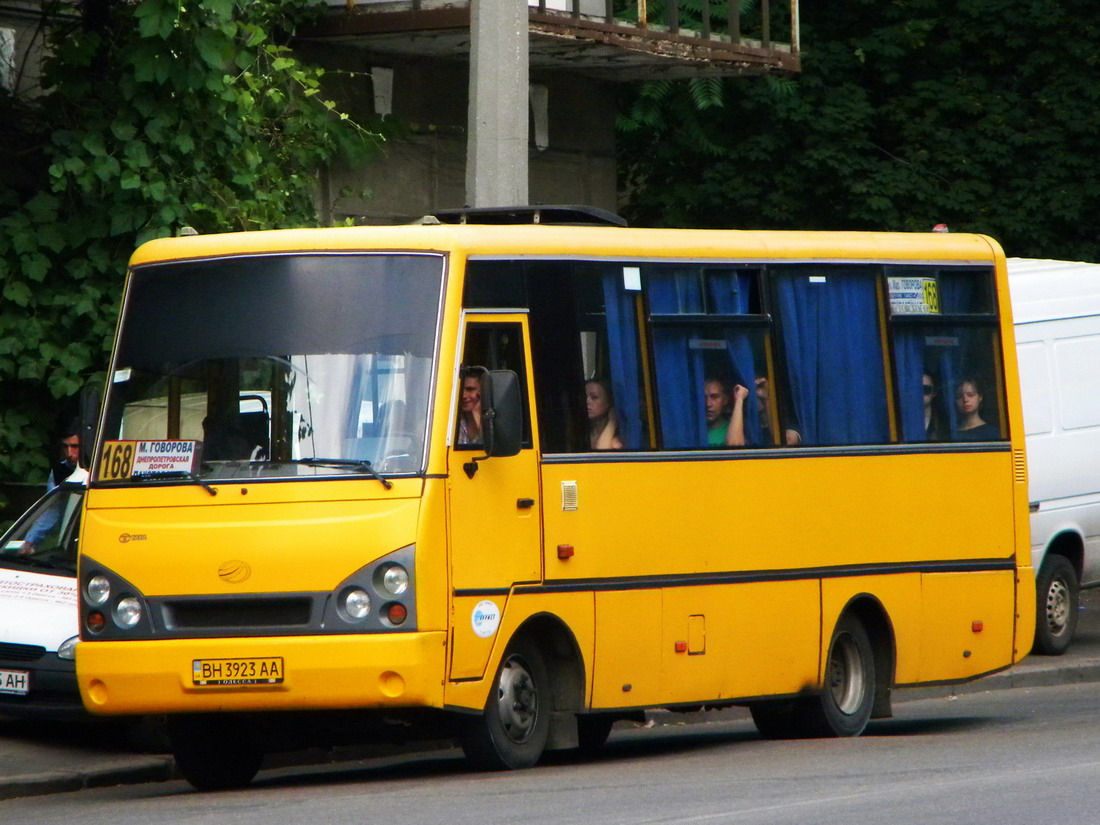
977 627
681 647
565 551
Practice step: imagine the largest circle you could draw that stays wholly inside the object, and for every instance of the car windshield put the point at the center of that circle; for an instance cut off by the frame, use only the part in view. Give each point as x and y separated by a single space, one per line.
45 537
277 366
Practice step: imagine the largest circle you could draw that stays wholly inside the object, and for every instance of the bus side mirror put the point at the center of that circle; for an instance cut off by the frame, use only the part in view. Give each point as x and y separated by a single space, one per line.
91 398
503 414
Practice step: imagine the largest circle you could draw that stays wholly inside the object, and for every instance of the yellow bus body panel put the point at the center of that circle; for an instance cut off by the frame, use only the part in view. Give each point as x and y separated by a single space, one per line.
321 672
290 539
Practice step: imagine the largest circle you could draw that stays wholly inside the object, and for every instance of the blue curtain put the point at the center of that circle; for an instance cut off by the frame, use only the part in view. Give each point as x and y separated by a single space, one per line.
675 293
834 356
909 362
680 377
622 345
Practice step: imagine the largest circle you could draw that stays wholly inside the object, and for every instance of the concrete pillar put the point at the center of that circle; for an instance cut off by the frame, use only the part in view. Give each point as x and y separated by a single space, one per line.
496 148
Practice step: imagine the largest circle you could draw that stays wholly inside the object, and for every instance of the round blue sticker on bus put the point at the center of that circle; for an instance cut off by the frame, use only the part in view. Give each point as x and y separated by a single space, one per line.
485 619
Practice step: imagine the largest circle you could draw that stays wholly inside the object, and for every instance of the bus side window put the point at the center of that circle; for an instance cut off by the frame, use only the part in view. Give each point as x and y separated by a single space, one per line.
945 361
832 348
709 356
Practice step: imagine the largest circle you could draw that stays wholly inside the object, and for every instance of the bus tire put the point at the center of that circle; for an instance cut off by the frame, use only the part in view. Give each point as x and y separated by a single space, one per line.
778 718
512 732
844 705
592 733
1057 595
213 755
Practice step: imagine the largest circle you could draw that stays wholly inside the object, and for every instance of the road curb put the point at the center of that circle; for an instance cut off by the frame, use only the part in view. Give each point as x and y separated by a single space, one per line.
153 769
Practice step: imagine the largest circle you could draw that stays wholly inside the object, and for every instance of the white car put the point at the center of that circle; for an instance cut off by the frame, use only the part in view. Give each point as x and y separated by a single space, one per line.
38 613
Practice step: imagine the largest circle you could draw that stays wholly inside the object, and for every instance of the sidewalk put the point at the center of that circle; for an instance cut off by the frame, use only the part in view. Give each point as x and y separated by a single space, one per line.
40 758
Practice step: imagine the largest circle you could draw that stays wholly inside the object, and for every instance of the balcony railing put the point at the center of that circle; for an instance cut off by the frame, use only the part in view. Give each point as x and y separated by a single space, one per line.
623 39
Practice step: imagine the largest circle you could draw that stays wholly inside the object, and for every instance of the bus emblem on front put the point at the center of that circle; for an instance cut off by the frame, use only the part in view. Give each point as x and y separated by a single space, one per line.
234 571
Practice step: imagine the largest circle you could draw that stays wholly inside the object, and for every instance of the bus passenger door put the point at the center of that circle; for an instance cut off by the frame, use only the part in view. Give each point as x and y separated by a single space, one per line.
495 516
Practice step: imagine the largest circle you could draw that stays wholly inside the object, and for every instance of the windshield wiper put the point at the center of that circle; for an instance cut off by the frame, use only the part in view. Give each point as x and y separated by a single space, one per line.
178 474
362 465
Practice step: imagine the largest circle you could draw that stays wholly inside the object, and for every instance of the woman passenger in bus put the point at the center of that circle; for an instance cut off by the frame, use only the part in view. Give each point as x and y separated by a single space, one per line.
968 404
603 419
469 406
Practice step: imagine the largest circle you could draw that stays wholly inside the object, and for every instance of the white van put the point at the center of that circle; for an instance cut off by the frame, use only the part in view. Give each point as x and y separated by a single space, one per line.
38 617
1056 310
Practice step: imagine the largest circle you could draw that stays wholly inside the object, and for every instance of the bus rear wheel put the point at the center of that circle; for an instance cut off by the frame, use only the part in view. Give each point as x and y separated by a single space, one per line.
513 730
1056 615
843 707
213 754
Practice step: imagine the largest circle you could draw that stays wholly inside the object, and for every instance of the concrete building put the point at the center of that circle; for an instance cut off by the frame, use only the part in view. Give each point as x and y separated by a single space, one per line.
505 103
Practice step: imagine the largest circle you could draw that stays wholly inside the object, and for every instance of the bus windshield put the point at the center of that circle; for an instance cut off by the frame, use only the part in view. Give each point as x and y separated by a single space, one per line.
280 365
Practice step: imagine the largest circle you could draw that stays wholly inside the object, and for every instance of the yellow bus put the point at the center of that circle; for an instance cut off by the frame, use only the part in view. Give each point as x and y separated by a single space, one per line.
512 477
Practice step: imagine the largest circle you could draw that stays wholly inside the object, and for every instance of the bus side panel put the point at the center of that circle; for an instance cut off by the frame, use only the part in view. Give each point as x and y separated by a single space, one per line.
572 612
626 672
969 624
1025 611
474 623
715 638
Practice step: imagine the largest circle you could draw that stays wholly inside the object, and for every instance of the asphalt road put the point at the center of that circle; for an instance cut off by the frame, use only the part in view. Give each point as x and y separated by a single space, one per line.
1008 756
37 759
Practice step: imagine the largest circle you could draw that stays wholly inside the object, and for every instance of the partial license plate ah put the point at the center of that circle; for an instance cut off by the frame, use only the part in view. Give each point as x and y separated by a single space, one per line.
17 682
263 671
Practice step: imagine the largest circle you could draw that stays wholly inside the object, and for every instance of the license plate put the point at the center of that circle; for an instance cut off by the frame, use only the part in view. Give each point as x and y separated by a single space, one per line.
17 682
263 671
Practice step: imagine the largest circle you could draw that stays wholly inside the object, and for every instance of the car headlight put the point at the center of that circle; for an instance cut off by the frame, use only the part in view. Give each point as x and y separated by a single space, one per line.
127 612
67 649
98 590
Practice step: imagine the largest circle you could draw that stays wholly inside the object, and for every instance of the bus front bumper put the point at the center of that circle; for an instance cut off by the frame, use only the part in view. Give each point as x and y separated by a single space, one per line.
279 673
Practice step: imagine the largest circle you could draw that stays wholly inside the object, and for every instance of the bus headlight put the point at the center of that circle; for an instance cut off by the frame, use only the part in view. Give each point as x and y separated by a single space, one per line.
98 590
395 579
127 612
356 603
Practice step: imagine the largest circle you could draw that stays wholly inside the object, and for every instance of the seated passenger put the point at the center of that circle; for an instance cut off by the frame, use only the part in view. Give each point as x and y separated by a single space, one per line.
725 410
603 419
933 427
968 404
791 436
469 406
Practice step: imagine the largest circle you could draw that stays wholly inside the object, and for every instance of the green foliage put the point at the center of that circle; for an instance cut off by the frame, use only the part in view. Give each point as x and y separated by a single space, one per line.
978 113
157 115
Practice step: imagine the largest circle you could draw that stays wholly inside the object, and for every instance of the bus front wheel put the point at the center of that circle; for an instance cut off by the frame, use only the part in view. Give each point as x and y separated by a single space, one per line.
213 754
512 732
1056 617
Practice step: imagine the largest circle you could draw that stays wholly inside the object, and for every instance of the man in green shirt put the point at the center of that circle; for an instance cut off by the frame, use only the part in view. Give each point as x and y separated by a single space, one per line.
725 409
